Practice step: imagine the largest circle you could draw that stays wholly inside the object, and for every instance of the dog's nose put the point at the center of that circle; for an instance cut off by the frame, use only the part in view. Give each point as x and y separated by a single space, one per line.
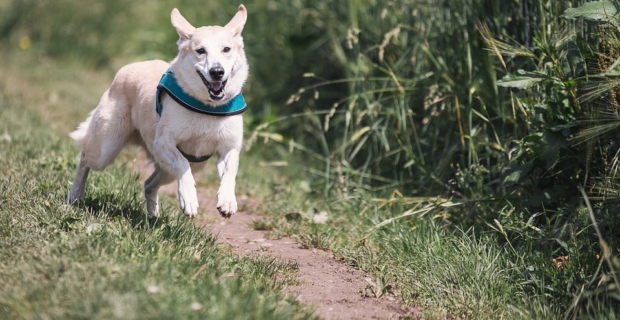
217 72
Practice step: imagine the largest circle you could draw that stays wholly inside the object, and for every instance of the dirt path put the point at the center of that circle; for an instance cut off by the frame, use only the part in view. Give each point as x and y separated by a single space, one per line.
334 288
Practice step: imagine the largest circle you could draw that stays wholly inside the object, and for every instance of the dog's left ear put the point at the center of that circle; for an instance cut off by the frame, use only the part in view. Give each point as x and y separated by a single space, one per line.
238 21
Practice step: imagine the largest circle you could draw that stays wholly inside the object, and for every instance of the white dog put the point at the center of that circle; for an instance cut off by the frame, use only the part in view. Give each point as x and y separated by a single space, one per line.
180 112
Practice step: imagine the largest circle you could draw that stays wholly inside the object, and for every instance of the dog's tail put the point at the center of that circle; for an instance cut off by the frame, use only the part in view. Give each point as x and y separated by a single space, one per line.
79 135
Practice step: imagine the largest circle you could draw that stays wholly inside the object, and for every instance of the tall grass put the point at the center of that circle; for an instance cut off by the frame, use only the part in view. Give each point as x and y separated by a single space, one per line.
412 107
421 112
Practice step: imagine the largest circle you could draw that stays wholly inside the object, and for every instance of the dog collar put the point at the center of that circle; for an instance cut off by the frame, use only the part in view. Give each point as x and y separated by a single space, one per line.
169 85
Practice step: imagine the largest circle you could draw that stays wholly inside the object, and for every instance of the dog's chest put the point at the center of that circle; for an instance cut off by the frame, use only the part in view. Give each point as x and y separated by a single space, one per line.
201 135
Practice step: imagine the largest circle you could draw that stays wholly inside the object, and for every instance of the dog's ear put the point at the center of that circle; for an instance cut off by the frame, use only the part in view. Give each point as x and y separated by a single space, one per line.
238 21
184 28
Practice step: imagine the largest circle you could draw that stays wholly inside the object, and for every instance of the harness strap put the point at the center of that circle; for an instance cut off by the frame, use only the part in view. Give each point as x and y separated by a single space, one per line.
191 158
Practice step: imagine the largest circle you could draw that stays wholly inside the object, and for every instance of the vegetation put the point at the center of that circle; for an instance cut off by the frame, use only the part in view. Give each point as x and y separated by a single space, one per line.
425 122
464 150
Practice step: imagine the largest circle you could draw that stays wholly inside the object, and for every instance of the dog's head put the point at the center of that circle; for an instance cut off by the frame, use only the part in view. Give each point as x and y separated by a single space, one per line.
211 59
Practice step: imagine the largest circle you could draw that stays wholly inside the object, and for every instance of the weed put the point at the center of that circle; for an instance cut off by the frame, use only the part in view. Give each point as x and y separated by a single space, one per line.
316 237
261 224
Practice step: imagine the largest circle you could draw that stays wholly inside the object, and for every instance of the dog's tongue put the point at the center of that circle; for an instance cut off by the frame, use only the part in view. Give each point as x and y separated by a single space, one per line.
216 86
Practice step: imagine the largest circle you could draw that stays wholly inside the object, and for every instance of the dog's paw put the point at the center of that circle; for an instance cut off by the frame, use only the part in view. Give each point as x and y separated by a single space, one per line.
227 205
74 199
188 199
76 195
189 204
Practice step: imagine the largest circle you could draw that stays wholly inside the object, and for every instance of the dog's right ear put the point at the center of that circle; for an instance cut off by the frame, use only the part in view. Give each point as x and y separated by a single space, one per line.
184 28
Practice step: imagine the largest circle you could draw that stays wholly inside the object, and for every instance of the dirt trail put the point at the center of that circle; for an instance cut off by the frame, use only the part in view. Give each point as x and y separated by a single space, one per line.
334 288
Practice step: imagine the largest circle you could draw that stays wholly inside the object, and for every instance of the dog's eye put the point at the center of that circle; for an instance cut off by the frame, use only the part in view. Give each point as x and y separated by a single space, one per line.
226 49
201 51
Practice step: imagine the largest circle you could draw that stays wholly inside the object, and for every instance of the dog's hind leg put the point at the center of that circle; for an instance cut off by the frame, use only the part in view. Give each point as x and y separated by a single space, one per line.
102 136
106 131
151 187
78 190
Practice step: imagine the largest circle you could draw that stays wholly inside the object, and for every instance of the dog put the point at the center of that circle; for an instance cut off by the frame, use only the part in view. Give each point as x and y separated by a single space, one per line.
180 112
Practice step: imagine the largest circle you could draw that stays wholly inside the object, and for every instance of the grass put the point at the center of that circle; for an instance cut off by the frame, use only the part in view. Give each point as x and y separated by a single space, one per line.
460 274
499 271
105 259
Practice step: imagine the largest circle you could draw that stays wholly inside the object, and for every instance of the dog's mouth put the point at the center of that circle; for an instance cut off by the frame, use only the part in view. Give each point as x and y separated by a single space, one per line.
216 88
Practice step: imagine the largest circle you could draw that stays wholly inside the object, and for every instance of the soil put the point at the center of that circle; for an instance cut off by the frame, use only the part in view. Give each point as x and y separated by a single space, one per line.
335 289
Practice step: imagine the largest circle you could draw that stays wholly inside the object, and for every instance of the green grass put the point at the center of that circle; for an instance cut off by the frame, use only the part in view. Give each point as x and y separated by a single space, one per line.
105 259
426 260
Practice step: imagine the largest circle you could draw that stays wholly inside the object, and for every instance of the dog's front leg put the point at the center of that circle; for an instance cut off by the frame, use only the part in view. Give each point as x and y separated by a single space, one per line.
170 159
227 167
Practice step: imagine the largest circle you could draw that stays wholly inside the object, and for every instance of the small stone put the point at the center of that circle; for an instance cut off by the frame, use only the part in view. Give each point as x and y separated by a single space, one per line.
321 217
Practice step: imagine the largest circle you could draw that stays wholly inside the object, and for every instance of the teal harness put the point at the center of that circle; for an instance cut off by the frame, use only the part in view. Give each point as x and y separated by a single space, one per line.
169 85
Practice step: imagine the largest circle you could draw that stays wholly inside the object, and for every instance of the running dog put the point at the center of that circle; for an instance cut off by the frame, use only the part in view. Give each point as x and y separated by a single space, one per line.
181 113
